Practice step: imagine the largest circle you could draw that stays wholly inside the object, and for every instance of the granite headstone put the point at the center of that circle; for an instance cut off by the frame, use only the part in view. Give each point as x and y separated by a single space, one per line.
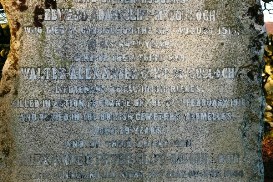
132 90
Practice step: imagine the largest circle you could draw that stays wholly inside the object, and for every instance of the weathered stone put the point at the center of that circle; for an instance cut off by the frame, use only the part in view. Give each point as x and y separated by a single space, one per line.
158 90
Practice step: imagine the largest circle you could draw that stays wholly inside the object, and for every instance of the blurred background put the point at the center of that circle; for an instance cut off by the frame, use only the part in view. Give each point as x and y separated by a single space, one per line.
4 38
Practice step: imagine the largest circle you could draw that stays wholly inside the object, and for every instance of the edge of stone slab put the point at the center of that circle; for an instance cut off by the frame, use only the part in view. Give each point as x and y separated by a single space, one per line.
8 88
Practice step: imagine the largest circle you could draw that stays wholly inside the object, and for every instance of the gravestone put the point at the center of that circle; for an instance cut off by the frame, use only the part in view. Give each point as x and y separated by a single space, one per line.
132 90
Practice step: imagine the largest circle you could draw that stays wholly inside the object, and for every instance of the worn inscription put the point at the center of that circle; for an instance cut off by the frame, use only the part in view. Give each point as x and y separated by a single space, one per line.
129 31
119 73
209 174
81 159
141 102
129 143
136 90
163 116
129 14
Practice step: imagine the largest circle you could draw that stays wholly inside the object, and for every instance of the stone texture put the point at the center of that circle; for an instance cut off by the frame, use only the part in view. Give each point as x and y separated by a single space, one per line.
132 91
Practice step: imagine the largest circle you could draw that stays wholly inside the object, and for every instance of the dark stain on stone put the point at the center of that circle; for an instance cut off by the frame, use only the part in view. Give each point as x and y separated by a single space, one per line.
6 151
15 61
251 26
4 92
16 26
255 58
20 5
256 13
256 44
251 75
15 92
39 16
14 3
50 4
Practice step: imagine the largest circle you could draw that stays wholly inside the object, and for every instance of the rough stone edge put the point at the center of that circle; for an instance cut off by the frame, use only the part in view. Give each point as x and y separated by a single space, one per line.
256 60
8 88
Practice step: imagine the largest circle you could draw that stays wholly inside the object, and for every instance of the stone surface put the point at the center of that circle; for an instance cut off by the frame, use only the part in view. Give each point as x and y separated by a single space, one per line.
150 90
